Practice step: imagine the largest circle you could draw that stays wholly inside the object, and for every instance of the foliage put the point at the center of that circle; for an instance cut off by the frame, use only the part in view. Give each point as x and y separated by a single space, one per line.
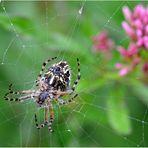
108 103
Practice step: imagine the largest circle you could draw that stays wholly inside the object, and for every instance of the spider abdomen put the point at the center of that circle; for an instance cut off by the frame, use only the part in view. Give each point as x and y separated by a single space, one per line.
57 84
58 76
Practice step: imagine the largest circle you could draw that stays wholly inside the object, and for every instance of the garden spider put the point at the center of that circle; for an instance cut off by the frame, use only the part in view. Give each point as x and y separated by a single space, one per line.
51 85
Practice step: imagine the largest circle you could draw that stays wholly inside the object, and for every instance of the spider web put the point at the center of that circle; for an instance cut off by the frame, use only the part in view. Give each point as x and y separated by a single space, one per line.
72 125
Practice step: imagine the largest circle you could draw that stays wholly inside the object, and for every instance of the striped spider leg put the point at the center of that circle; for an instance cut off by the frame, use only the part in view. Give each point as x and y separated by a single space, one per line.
42 70
26 94
48 109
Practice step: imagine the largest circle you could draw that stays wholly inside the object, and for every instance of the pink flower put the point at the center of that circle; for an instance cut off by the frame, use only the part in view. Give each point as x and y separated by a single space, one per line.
145 68
130 52
102 43
129 30
123 70
127 13
131 57
136 60
136 25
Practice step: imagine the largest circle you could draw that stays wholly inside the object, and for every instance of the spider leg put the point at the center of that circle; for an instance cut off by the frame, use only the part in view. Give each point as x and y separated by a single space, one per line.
46 122
51 118
22 98
20 92
11 92
62 102
61 93
78 77
39 126
43 68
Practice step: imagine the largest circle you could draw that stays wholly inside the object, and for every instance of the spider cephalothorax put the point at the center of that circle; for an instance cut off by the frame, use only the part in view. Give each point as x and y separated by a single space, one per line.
51 84
43 96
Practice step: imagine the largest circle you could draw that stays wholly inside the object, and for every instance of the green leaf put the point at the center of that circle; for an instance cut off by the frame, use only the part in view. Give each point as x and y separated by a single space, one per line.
141 90
118 113
19 23
91 86
70 45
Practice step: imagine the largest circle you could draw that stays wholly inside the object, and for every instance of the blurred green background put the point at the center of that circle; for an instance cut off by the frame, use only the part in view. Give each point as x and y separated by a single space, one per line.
110 110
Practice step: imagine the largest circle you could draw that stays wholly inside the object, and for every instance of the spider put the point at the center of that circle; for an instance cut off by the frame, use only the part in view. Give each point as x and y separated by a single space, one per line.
51 84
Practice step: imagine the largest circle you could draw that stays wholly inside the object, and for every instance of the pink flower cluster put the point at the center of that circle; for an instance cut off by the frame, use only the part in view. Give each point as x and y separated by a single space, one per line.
136 25
102 43
130 55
